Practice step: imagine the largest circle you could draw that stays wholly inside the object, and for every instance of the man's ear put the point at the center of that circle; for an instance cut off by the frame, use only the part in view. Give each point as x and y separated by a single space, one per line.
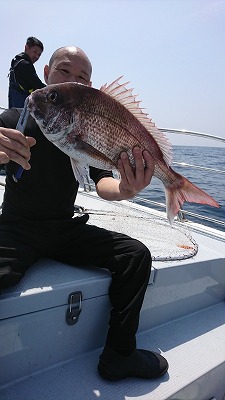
46 73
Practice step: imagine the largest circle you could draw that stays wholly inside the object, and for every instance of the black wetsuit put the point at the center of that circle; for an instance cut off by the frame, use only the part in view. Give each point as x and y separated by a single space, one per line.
37 221
23 80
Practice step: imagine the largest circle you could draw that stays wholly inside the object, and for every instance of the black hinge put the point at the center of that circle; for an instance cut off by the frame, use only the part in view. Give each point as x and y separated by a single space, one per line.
73 312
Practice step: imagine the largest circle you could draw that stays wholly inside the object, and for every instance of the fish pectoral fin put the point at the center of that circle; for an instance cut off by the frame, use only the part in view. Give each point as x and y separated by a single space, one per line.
94 153
80 171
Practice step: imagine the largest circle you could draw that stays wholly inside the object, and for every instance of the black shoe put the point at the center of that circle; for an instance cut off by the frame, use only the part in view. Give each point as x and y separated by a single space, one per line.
140 363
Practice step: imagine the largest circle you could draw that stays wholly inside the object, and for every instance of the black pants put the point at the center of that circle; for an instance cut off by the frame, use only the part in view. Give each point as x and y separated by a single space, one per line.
76 243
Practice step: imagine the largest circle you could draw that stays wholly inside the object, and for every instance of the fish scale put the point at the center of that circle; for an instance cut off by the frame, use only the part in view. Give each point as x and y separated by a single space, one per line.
98 139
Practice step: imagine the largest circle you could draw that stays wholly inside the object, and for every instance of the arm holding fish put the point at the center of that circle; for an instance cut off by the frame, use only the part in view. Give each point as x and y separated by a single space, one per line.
131 182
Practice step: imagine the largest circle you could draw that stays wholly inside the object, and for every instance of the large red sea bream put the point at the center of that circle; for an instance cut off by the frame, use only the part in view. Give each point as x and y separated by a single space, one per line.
94 126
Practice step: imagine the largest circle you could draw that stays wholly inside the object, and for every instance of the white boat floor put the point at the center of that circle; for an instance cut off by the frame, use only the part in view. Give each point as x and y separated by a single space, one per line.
193 345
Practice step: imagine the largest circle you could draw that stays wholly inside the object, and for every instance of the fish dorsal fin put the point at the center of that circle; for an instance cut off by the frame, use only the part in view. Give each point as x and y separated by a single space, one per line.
125 96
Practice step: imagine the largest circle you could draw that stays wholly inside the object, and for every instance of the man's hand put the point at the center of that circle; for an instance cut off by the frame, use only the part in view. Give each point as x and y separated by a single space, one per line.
15 146
133 181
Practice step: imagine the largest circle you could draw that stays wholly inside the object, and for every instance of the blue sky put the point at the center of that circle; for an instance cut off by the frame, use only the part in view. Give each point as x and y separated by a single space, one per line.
172 52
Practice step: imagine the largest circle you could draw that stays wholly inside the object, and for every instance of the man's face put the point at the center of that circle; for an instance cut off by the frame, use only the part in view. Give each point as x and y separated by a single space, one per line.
68 67
33 52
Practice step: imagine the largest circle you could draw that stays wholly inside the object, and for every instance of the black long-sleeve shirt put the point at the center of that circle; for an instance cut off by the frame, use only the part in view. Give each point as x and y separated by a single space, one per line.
25 73
23 80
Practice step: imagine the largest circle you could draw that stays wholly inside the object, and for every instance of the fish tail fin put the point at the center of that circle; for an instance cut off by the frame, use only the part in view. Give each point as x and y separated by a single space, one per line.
186 191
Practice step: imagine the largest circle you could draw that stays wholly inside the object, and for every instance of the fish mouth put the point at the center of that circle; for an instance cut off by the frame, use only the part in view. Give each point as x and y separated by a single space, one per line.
30 105
33 109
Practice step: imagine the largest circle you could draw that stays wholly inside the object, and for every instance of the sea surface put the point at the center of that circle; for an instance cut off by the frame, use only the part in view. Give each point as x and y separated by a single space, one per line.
211 182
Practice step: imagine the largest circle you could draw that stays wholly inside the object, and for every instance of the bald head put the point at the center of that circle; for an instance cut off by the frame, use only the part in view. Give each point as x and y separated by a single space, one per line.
73 65
70 51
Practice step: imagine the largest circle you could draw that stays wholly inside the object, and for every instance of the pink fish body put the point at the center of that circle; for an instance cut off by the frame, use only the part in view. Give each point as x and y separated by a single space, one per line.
94 126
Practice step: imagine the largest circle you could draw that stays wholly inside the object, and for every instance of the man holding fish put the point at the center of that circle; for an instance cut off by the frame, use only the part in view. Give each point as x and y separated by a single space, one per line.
37 221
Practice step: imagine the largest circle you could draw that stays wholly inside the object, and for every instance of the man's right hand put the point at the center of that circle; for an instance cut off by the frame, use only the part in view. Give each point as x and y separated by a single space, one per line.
14 146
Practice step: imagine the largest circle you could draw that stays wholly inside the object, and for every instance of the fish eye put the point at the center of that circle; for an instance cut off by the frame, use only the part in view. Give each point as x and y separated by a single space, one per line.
53 96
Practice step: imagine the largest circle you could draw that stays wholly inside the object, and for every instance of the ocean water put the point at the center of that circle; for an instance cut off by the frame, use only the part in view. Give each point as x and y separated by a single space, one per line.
210 181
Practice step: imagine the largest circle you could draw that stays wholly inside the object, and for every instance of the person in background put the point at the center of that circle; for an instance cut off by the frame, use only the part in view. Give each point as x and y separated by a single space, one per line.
37 221
23 78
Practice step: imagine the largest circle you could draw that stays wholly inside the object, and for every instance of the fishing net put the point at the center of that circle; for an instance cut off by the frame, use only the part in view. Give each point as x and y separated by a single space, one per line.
165 242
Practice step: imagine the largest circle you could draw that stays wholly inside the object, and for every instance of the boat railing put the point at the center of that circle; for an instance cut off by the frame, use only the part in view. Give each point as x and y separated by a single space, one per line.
182 215
192 133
